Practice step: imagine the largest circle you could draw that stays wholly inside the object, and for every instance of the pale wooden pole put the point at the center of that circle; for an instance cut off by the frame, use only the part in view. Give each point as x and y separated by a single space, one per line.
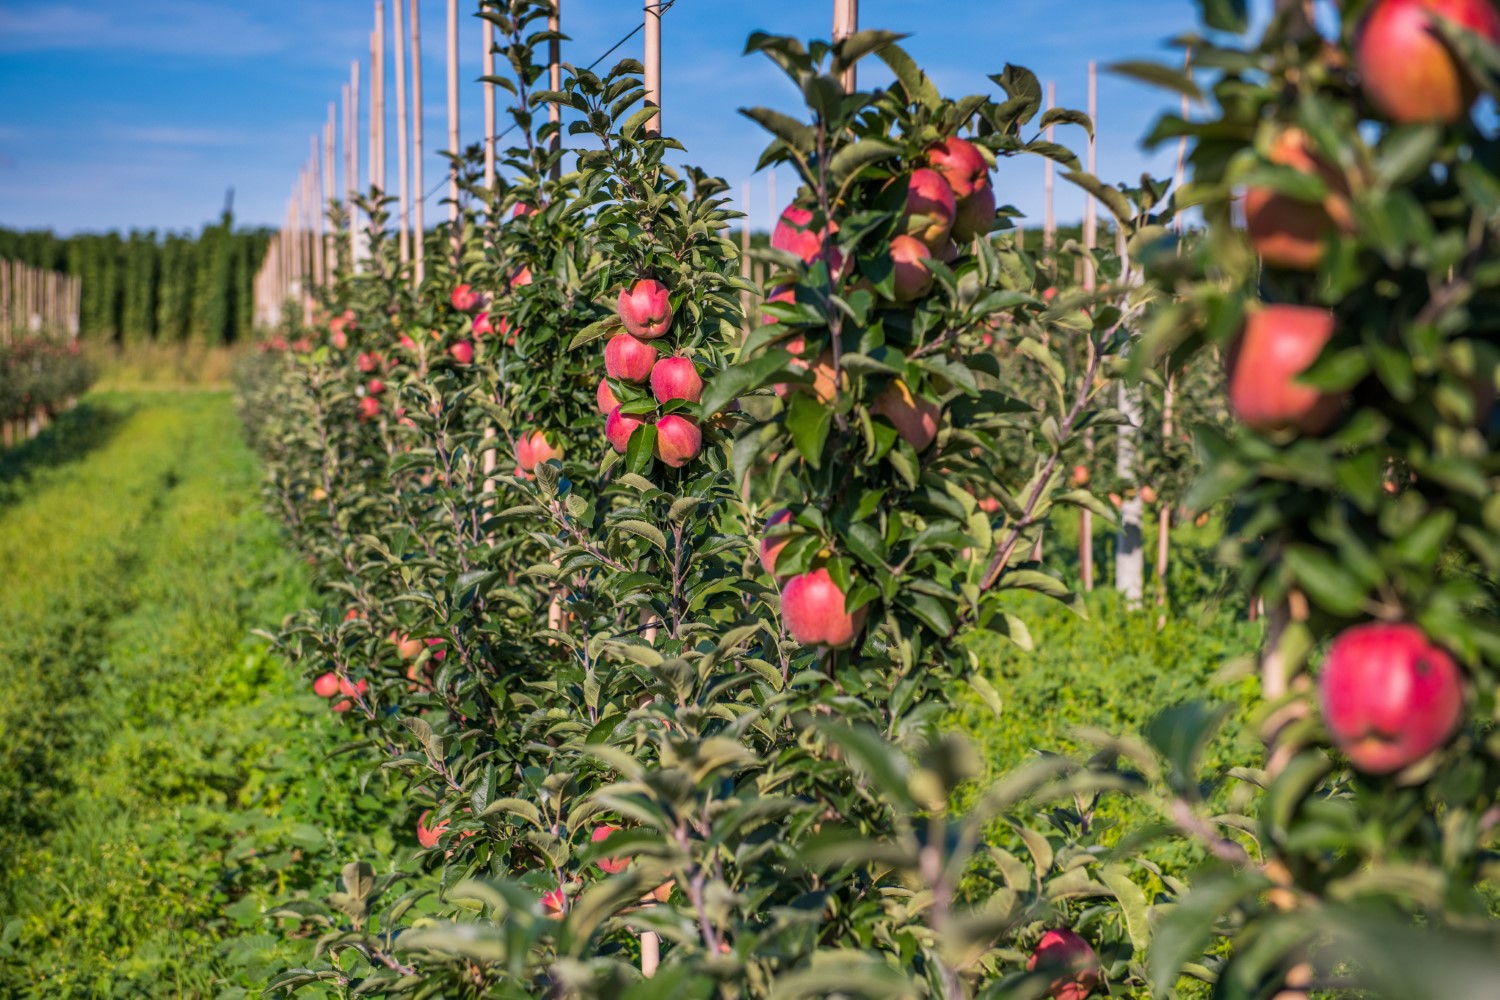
403 240
351 154
453 120
315 210
378 62
653 64
554 77
1049 217
330 185
487 64
1090 281
418 230
1168 425
846 23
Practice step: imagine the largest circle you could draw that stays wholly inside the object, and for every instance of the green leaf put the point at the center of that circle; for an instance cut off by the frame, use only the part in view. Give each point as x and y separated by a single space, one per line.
808 421
1158 75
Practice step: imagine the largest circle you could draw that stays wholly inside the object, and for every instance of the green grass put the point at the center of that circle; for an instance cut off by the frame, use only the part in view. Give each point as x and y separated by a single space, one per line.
162 778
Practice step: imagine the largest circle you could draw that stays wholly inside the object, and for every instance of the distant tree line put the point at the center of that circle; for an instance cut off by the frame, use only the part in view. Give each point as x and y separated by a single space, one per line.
150 286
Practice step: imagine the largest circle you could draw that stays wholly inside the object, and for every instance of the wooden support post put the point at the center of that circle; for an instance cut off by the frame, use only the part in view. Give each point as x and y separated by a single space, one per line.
315 215
1164 513
418 230
1090 281
487 68
653 64
846 23
554 78
403 239
453 145
330 187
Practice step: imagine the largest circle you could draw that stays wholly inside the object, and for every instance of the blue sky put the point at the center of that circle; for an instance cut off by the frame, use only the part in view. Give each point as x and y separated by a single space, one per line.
141 114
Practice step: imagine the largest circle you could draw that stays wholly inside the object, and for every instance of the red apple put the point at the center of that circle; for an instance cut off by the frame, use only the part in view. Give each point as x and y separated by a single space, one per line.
792 233
374 387
618 427
930 207
534 449
1278 344
349 690
961 164
604 396
554 903
1071 962
466 299
676 378
327 685
610 866
339 339
1405 66
1080 475
1287 232
368 363
645 309
463 352
1389 695
812 606
771 545
428 836
482 325
521 278
343 706
913 279
975 215
629 359
678 440
916 420
369 408
781 293
406 647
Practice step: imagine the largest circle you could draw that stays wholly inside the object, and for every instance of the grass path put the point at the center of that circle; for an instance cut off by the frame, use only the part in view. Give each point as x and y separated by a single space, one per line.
147 743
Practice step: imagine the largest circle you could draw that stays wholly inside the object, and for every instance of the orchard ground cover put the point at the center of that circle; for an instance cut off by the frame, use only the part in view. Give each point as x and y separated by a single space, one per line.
163 778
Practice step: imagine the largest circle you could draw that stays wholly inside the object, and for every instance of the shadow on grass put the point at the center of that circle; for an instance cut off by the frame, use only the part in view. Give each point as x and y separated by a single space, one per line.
72 436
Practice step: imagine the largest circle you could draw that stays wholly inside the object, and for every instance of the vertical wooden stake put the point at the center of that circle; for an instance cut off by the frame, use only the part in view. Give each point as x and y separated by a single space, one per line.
1164 513
453 146
554 78
377 93
351 127
1049 218
418 230
487 68
653 64
403 240
846 23
1090 282
330 184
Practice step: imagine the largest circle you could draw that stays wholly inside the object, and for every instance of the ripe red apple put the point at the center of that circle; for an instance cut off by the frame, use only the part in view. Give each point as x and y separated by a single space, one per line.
629 359
975 215
428 836
930 207
343 706
1080 475
369 408
792 233
961 164
368 363
678 440
812 606
1278 344
327 685
645 309
618 427
1405 67
533 449
339 339
823 386
463 352
1389 695
482 325
406 647
521 278
916 420
771 546
466 299
1071 962
439 652
913 279
554 903
990 505
610 866
676 378
1288 232
604 396
374 387
349 690
781 293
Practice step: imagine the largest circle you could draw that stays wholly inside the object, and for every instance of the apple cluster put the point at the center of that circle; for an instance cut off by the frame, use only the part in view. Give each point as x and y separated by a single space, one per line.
632 362
950 201
1389 695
